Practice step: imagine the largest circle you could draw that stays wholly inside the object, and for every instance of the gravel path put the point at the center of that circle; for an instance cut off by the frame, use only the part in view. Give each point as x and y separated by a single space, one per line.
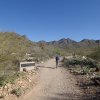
54 84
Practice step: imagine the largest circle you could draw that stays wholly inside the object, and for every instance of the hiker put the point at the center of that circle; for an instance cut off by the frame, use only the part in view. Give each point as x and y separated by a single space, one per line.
57 60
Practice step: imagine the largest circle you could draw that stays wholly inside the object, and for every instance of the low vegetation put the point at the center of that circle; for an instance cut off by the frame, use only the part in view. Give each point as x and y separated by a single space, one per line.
17 92
15 48
95 54
2 96
87 73
8 79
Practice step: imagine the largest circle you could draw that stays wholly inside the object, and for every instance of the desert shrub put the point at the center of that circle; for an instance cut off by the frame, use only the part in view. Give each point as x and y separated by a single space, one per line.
17 92
86 69
3 81
96 54
8 79
90 62
72 62
79 61
1 96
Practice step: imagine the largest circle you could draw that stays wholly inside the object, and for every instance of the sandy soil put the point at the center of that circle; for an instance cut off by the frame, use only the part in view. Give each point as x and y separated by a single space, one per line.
54 84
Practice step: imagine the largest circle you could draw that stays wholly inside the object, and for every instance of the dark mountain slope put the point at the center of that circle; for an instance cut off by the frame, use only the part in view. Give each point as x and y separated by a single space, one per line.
86 43
71 44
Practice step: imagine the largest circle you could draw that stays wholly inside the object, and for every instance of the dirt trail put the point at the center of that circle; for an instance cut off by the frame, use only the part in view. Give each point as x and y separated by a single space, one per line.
54 84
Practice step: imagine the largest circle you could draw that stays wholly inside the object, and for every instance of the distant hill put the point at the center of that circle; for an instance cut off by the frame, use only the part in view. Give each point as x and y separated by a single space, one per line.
13 43
71 44
14 47
86 43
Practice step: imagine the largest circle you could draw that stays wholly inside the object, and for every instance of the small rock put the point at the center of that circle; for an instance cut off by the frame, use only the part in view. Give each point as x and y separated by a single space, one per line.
1 88
20 82
42 62
30 80
6 87
88 87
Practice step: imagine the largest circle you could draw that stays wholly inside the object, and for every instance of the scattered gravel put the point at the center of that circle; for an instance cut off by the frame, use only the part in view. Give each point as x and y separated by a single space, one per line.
54 84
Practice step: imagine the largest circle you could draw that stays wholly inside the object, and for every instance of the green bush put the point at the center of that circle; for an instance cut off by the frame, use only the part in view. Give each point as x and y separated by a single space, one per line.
81 62
86 69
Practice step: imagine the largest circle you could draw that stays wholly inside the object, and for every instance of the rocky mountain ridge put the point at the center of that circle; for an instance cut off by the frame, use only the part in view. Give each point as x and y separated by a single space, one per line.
68 43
